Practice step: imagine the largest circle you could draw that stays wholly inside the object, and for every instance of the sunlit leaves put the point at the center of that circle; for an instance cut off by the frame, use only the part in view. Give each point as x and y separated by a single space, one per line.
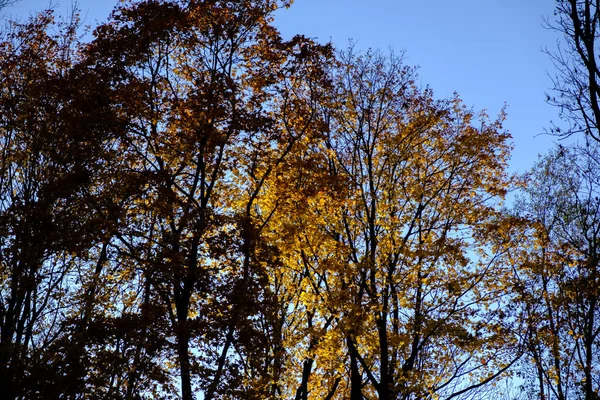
217 210
557 278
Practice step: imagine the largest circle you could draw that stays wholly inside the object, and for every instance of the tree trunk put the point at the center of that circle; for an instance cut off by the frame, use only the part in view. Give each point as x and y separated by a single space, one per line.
355 376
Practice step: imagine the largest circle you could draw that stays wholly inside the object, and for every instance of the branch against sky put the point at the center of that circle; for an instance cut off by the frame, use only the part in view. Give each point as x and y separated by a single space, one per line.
5 3
576 84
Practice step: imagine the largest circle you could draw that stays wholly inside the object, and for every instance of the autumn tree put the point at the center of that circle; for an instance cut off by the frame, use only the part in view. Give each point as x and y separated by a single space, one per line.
53 121
214 101
559 275
388 300
192 205
560 201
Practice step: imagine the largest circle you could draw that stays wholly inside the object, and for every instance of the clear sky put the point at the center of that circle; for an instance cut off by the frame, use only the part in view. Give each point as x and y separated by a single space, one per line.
488 51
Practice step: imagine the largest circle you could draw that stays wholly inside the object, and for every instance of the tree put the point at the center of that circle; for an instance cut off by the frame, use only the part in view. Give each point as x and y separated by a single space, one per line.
560 266
192 205
386 300
214 102
576 85
53 123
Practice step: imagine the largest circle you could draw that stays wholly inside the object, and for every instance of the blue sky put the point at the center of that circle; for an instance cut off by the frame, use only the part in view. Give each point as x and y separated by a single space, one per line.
488 51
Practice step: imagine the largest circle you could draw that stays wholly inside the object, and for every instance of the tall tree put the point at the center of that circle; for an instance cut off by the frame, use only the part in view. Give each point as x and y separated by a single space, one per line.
387 301
214 101
192 205
560 267
53 120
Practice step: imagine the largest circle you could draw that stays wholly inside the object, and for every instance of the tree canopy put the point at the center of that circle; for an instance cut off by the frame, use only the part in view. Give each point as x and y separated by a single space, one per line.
193 207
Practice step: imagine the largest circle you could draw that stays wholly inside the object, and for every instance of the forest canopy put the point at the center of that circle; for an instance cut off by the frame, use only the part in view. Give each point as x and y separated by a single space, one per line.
193 207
